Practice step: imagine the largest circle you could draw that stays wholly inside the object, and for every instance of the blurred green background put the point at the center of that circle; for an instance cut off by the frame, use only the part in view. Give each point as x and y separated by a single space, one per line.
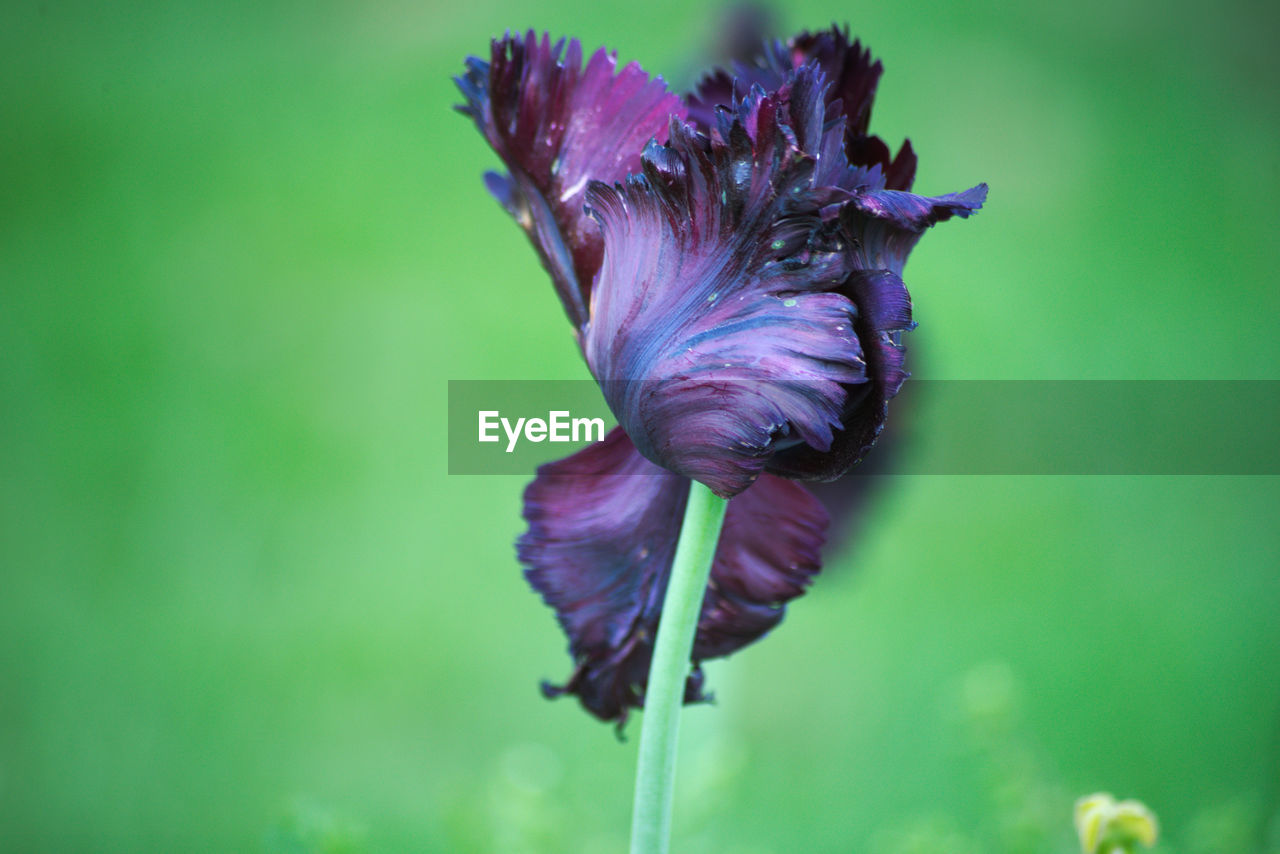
244 246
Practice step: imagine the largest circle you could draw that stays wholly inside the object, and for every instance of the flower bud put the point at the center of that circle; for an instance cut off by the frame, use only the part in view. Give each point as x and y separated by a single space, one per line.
1108 826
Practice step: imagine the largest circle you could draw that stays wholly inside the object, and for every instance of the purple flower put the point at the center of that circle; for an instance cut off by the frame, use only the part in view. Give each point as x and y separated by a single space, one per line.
732 265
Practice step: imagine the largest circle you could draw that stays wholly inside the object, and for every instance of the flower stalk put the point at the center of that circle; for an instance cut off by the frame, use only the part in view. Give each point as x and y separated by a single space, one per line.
660 728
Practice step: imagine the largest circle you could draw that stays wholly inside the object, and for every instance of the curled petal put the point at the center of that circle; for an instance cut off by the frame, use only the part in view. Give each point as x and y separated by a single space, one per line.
556 125
883 226
884 314
603 526
717 330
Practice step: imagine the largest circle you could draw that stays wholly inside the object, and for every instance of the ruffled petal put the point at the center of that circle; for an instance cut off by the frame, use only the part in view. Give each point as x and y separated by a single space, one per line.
886 225
769 552
598 545
884 314
883 226
556 125
717 330
602 533
854 77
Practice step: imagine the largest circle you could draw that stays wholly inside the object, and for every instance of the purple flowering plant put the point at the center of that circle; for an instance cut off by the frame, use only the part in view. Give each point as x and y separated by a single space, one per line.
731 262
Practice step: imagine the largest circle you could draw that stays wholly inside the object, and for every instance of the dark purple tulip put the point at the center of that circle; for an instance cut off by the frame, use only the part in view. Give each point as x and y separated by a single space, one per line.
739 295
735 282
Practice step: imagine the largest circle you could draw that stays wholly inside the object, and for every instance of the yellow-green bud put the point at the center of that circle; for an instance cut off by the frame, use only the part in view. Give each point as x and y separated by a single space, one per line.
1108 826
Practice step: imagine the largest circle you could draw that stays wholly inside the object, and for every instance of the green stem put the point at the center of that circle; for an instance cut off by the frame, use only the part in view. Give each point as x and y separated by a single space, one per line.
660 729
